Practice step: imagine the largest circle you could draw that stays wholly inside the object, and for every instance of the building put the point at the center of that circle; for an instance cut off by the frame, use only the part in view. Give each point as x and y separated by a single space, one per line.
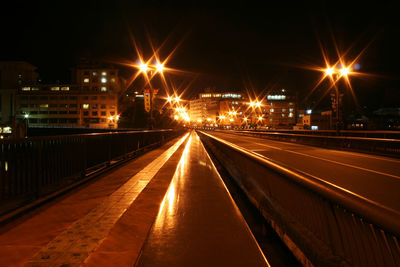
210 108
318 120
280 107
234 110
91 100
13 74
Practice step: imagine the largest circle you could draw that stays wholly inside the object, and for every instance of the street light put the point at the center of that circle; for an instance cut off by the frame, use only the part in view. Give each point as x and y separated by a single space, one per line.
344 72
143 67
159 67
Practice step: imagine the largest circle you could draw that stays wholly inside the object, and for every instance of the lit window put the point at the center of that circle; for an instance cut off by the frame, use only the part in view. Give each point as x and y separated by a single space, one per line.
290 114
290 109
85 106
55 88
103 80
35 88
94 73
86 80
44 105
65 88
104 73
26 88
104 89
271 110
113 80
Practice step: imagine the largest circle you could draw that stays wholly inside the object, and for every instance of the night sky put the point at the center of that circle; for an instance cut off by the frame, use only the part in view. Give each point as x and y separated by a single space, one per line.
230 47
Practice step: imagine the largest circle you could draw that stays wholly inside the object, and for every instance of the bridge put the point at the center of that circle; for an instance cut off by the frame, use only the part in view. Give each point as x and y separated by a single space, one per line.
196 198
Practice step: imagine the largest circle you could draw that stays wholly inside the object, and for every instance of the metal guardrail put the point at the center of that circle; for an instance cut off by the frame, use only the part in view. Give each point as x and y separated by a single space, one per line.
389 147
322 224
34 167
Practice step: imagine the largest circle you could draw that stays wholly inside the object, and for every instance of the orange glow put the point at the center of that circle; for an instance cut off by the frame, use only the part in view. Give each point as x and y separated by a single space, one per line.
329 71
143 67
344 71
160 67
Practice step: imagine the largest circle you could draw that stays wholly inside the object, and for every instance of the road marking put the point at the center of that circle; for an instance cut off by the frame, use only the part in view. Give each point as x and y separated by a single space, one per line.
339 151
74 245
332 161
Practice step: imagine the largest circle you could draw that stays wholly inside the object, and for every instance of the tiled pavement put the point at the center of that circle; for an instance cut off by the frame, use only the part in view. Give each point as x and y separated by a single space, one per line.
105 221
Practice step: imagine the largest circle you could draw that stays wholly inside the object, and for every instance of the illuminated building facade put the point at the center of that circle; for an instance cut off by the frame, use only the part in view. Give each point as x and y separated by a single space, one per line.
90 101
207 108
281 109
276 110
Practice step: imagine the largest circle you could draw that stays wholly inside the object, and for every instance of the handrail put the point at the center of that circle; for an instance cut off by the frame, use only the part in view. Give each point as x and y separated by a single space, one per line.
321 136
38 138
379 214
323 224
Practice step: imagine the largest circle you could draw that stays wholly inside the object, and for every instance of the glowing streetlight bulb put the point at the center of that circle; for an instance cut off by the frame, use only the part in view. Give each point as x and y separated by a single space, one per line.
329 71
160 67
245 119
344 71
260 118
258 104
169 99
143 67
176 117
177 99
251 104
234 113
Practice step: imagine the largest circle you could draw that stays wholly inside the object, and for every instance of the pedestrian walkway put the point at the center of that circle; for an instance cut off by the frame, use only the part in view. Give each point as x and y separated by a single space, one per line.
66 231
169 207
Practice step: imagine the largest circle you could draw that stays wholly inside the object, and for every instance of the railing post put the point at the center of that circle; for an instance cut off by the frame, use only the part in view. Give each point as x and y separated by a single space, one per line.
39 177
84 156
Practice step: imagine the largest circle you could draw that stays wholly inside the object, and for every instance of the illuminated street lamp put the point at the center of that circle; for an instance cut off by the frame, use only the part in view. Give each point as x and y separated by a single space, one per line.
344 72
143 67
160 67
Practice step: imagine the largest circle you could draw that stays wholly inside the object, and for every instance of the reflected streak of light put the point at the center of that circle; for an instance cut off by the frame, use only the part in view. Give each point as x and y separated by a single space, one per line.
170 196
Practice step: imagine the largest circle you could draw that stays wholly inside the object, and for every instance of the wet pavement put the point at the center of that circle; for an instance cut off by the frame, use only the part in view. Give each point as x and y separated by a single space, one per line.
198 223
67 232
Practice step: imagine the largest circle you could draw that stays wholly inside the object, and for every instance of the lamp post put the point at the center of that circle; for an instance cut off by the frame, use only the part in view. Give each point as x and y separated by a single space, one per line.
342 72
143 67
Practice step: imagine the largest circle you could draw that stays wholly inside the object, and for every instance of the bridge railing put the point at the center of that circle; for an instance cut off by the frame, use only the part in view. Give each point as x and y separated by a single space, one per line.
321 223
383 146
34 167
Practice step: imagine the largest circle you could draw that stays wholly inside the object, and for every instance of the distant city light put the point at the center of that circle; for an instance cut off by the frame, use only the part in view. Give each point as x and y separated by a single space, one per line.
308 111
